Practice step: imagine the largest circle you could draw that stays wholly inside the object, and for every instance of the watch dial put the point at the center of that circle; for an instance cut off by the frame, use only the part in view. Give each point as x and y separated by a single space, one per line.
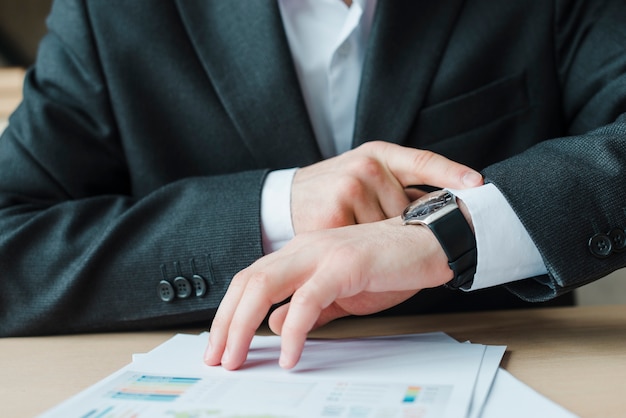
426 205
435 203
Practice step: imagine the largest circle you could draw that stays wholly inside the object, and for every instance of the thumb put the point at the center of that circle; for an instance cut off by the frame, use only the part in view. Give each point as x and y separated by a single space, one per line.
416 167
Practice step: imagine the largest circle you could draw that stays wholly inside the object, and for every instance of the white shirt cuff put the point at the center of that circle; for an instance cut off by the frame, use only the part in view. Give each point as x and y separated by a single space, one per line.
276 226
505 251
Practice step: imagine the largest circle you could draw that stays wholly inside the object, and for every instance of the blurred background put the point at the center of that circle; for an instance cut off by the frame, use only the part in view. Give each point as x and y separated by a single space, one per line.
22 24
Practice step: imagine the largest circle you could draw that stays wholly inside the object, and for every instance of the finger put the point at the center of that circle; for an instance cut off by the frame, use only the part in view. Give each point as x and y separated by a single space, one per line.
262 291
218 334
413 167
270 280
366 213
373 190
222 323
393 201
357 192
384 200
328 314
304 310
277 318
414 193
389 192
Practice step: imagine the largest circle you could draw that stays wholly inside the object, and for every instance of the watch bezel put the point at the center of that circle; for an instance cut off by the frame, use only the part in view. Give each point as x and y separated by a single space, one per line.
437 205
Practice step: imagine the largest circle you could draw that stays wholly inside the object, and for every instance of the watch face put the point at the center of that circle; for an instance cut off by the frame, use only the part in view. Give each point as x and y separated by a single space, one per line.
420 210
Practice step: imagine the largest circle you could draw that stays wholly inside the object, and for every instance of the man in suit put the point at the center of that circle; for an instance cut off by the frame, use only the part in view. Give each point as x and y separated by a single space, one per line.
140 173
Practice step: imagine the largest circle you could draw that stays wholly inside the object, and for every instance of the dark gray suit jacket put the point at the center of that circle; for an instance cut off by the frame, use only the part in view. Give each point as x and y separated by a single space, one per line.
140 150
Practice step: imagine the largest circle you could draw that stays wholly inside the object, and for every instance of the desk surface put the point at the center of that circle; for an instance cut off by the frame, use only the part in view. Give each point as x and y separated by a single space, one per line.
11 80
574 356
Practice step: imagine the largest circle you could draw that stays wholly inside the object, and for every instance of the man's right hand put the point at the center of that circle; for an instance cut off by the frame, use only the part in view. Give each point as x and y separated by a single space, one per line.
368 184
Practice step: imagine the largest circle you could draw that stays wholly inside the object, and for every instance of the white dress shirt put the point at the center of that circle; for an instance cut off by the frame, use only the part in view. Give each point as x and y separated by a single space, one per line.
328 41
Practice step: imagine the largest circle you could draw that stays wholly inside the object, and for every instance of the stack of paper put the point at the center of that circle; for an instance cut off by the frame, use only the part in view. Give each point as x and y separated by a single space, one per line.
424 375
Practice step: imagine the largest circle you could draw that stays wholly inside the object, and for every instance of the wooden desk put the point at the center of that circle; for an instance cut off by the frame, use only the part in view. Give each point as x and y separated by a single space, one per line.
11 80
574 356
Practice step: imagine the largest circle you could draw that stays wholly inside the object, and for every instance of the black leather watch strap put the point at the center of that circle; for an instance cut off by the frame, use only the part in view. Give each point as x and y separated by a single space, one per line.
458 242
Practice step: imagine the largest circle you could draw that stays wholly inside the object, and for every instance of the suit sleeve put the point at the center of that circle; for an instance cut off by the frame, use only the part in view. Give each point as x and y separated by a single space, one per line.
79 251
568 190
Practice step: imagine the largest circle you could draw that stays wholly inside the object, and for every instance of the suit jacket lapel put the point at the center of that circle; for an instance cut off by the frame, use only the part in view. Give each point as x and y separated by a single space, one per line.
406 44
244 50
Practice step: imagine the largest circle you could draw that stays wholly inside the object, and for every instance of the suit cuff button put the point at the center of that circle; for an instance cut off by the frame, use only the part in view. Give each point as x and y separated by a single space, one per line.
165 291
183 287
600 245
199 285
618 238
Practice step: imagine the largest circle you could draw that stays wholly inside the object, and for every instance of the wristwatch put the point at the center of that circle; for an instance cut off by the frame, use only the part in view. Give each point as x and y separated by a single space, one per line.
439 211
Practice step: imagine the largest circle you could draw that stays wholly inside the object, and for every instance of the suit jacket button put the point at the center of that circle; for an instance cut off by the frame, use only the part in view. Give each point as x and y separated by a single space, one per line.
165 291
618 237
183 287
600 245
199 284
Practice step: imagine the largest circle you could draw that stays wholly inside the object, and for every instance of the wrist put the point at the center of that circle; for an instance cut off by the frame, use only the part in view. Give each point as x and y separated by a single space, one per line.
440 212
427 262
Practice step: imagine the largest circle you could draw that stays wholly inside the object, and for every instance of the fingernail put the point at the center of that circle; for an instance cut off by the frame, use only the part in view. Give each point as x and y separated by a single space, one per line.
284 361
472 178
207 353
226 355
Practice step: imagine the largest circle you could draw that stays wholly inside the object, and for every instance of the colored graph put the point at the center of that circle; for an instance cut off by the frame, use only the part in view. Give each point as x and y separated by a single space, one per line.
153 388
411 394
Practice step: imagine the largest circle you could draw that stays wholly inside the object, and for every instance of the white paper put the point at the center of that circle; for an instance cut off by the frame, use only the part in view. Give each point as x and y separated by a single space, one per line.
512 399
419 375
405 376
